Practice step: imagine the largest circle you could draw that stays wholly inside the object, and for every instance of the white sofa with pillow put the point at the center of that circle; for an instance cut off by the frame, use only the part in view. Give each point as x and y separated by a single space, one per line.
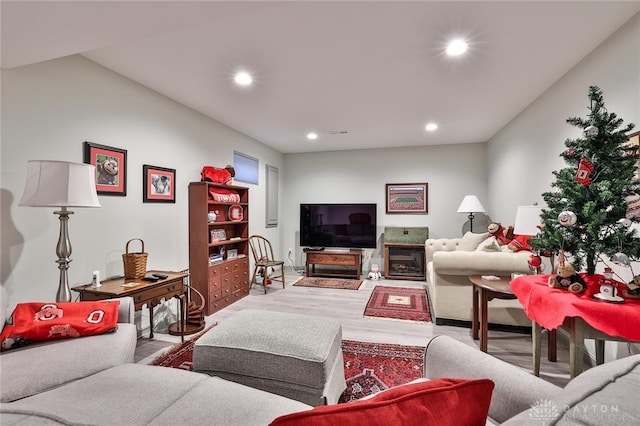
450 262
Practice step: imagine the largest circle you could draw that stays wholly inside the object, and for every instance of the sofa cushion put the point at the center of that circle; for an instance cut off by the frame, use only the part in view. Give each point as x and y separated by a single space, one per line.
442 402
42 366
605 394
448 357
39 321
490 244
135 394
471 241
479 263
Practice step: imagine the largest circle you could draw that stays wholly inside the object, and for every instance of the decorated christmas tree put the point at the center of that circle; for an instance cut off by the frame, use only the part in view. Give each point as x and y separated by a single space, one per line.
595 199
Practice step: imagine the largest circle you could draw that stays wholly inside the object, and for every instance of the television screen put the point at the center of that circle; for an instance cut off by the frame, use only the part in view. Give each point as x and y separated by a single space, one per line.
338 225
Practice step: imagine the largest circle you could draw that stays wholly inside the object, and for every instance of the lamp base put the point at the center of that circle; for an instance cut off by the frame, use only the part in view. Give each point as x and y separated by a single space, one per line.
63 250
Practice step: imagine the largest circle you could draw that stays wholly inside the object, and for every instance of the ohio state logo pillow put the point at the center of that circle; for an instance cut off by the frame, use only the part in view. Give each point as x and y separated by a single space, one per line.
38 321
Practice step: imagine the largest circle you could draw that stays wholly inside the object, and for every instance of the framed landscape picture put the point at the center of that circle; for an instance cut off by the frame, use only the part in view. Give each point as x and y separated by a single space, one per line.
111 168
407 198
158 184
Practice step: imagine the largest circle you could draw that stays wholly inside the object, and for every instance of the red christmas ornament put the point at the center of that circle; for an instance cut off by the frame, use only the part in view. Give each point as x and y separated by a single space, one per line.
584 171
535 260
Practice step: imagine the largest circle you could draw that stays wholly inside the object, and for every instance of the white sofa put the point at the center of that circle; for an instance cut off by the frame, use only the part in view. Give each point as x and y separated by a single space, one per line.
450 262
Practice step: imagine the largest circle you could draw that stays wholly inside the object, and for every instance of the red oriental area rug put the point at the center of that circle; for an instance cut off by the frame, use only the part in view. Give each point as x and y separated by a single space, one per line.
398 303
329 283
372 367
180 355
368 367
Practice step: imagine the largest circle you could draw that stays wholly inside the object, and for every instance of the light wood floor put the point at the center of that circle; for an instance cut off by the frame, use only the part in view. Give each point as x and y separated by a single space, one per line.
347 306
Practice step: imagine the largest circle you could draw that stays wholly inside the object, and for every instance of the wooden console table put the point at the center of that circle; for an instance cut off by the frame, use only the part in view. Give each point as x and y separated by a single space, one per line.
352 257
142 292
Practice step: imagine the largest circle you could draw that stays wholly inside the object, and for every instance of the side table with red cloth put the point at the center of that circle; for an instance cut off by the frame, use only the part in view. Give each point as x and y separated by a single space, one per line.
582 314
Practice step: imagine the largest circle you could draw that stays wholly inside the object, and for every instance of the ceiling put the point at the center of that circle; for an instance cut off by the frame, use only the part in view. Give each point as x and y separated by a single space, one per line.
362 74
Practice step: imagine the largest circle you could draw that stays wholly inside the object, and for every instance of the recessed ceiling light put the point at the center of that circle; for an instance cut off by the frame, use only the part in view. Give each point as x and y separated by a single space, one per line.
312 136
431 127
457 47
243 78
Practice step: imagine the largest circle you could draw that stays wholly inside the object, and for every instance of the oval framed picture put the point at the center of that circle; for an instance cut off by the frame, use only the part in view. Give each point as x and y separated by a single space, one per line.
236 213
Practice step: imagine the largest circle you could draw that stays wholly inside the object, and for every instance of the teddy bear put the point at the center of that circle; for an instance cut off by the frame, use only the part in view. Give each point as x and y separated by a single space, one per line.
503 235
633 288
567 278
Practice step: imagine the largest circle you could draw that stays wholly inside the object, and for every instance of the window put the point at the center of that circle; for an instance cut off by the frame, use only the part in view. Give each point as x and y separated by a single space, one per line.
246 168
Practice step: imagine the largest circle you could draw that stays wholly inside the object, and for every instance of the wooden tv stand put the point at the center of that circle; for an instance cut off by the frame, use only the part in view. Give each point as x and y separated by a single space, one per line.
353 257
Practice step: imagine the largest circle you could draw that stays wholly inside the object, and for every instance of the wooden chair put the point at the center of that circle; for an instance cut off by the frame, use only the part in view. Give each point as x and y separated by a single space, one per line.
264 259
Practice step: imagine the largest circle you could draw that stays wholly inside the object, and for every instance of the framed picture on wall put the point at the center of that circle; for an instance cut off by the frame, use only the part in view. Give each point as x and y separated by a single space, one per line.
158 184
407 198
111 168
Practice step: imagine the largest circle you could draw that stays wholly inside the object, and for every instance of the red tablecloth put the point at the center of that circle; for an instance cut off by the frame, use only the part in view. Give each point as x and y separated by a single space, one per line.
550 306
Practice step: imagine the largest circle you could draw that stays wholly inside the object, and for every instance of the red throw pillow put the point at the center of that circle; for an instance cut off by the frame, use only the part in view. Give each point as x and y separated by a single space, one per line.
37 321
224 195
520 242
442 402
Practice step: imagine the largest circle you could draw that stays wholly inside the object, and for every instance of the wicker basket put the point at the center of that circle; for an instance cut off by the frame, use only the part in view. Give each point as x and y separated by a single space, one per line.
135 264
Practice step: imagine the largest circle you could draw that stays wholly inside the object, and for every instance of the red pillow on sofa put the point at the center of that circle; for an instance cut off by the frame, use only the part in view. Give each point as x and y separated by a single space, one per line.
37 321
442 402
520 242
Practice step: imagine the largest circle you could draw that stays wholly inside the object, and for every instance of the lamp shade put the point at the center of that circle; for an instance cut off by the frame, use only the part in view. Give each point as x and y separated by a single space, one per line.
527 220
470 204
60 184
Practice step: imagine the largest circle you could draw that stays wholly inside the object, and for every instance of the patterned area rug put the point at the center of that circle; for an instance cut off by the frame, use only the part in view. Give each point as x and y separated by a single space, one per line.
329 283
398 303
372 367
180 355
368 367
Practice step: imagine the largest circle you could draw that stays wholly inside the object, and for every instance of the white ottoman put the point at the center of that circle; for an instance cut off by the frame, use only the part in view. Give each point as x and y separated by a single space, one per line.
296 356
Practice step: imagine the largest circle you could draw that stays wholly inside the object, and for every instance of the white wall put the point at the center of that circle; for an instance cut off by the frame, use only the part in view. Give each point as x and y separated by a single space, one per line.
49 110
451 171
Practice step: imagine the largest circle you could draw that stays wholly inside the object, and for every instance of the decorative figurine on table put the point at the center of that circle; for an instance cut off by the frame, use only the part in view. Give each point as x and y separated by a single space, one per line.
375 272
567 277
633 288
608 288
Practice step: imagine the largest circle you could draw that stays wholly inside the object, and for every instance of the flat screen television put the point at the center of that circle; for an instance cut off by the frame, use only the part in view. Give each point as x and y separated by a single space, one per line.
338 225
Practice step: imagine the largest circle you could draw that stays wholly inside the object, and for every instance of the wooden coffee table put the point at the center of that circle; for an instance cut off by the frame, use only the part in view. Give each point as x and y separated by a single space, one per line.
483 291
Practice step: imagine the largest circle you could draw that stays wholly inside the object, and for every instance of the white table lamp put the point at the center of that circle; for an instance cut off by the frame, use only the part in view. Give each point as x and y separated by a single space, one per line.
470 204
60 184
